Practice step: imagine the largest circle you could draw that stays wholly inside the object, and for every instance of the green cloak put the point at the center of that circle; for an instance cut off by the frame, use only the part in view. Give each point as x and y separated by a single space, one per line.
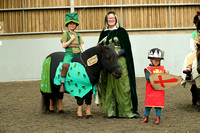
123 37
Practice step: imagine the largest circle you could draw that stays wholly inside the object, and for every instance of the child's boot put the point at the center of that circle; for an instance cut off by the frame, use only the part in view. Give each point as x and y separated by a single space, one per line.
65 67
188 73
157 121
62 87
145 120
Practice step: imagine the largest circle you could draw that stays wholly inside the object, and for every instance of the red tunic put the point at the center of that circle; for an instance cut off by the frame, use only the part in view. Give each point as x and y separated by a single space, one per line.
154 98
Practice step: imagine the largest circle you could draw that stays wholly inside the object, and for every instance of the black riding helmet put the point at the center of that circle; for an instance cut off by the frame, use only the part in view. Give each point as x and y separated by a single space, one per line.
196 19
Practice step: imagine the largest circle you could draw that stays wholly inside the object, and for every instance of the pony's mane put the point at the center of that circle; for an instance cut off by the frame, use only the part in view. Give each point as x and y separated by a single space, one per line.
91 51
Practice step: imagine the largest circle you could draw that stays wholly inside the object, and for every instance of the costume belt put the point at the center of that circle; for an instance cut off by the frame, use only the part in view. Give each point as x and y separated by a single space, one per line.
74 46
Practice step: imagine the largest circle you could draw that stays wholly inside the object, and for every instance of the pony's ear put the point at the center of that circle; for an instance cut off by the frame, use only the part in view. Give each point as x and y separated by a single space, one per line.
103 48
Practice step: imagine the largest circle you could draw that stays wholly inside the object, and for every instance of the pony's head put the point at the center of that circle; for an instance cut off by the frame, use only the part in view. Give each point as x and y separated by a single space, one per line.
109 61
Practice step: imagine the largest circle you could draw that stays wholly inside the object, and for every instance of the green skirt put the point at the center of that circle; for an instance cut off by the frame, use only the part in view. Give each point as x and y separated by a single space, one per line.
115 94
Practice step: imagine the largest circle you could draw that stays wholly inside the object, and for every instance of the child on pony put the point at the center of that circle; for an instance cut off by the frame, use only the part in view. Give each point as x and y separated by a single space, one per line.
71 41
193 45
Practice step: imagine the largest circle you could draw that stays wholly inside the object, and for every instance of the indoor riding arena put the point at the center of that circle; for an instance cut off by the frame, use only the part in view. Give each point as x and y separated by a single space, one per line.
30 30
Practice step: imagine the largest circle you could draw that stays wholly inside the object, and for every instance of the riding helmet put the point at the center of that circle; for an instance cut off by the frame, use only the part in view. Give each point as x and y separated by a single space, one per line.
156 53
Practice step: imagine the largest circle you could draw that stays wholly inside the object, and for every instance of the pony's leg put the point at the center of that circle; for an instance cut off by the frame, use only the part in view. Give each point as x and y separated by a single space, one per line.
79 111
60 106
80 103
198 102
88 102
194 95
51 109
59 96
88 110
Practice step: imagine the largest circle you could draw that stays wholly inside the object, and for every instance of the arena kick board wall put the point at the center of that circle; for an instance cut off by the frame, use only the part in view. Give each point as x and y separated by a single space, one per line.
21 59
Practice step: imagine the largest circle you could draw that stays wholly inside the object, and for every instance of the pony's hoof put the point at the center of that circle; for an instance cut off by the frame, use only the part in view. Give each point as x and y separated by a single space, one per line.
79 117
61 112
51 111
89 116
188 78
194 105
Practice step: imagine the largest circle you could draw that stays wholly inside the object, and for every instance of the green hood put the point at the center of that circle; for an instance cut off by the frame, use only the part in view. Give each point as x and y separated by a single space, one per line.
72 17
106 24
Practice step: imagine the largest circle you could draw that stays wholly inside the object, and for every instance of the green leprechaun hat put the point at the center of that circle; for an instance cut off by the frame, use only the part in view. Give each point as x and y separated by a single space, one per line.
71 17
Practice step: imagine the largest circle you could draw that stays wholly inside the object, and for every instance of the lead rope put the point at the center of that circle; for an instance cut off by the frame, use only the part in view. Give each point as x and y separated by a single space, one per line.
85 65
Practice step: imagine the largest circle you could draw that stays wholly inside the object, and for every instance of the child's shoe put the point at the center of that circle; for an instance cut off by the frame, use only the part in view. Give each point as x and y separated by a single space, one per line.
157 121
188 72
188 78
145 120
62 87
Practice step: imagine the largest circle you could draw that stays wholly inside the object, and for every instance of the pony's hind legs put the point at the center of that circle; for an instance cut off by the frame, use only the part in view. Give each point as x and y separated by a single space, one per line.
51 108
60 106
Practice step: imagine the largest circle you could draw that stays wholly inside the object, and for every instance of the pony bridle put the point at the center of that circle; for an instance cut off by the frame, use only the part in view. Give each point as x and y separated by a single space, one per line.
86 65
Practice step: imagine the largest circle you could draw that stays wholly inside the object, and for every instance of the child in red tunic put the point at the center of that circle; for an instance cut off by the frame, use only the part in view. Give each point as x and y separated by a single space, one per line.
154 98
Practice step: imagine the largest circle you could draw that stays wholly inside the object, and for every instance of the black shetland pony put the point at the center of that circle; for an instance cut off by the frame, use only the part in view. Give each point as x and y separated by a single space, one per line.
107 59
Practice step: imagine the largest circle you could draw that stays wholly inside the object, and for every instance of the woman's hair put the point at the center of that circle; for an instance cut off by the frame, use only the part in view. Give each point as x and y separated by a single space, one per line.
106 21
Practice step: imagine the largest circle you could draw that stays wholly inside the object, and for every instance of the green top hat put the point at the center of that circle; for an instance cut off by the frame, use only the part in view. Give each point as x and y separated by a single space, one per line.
71 17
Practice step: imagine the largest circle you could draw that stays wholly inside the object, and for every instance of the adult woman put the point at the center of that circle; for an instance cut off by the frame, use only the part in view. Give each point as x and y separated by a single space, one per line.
118 97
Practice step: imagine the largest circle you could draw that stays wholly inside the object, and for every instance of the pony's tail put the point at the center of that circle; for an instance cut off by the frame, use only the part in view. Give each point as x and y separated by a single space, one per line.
45 102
